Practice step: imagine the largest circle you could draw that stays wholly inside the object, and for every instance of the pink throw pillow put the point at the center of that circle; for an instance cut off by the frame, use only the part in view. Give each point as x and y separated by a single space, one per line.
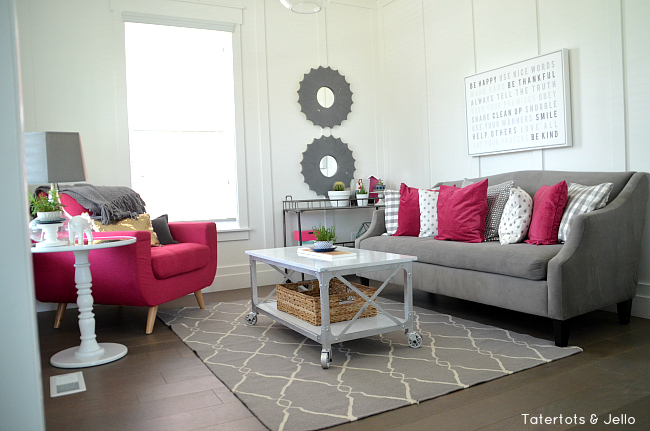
408 215
548 207
462 211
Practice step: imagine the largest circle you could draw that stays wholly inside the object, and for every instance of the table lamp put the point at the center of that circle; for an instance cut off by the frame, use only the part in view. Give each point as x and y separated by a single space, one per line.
54 157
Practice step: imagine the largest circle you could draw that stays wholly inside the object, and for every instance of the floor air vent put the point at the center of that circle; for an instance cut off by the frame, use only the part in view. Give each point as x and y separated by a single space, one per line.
66 384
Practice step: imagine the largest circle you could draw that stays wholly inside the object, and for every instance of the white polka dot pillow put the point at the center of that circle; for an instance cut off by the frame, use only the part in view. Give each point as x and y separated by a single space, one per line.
428 200
516 217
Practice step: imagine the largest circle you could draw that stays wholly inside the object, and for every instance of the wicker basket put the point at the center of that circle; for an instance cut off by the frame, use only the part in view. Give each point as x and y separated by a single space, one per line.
305 305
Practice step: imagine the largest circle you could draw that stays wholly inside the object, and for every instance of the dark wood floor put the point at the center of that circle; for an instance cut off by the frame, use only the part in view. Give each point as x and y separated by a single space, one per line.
162 385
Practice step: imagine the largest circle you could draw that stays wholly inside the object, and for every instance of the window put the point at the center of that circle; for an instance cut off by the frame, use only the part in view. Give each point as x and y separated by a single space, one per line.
181 117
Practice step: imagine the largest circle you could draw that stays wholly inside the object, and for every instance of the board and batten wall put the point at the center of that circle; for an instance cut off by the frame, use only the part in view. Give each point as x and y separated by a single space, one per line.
406 61
430 46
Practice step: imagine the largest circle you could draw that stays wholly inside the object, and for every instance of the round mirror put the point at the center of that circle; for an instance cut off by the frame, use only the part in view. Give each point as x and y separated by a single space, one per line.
325 97
326 161
328 166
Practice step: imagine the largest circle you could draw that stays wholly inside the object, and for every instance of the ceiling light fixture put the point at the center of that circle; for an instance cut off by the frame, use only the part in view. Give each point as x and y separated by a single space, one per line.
305 6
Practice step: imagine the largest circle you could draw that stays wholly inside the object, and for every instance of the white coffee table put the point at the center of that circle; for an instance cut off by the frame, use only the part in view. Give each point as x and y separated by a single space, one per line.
89 353
287 258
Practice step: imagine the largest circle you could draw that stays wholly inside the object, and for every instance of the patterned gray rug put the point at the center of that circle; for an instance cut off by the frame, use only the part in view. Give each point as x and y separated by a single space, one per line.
277 374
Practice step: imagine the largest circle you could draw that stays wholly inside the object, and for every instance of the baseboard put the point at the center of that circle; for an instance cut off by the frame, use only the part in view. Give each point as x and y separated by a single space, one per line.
640 304
238 276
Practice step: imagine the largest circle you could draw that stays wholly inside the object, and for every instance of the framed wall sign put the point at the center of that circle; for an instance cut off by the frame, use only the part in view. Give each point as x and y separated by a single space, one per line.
522 106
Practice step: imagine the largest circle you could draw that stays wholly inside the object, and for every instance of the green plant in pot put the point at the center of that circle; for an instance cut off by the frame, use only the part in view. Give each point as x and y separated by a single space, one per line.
325 237
362 196
46 207
338 193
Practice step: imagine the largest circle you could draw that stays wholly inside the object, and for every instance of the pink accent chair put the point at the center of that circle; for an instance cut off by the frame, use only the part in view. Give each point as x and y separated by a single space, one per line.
136 274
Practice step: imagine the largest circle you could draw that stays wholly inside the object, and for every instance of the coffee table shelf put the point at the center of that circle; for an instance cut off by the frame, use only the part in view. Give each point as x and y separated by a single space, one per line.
282 259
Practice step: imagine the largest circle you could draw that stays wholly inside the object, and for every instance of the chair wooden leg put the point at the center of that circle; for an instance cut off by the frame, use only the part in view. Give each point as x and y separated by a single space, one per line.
60 311
199 299
151 319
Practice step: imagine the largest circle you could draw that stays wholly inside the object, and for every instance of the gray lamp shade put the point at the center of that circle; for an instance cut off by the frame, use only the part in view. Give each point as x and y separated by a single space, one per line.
54 157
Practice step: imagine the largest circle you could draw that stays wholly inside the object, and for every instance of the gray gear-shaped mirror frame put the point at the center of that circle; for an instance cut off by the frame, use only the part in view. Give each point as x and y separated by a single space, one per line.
311 157
307 97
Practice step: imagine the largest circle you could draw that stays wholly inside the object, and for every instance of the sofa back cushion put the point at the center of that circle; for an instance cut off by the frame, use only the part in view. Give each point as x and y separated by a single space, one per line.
531 181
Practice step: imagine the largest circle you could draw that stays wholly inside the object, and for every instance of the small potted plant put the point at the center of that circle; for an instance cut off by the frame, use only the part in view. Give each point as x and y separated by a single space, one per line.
380 185
46 207
362 196
325 237
338 193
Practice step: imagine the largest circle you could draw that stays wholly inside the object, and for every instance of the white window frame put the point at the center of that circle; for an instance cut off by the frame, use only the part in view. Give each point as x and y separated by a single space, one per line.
192 15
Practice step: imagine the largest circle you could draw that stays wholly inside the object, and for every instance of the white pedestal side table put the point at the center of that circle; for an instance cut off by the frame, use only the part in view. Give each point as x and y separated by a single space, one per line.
89 353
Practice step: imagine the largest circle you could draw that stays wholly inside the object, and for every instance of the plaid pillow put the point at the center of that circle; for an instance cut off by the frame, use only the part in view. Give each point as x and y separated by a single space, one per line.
582 199
391 197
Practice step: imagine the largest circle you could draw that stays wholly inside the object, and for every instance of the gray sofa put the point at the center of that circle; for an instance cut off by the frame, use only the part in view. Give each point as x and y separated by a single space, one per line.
596 267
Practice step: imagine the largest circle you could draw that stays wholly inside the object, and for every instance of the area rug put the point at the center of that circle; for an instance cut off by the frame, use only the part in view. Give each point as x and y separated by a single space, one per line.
277 374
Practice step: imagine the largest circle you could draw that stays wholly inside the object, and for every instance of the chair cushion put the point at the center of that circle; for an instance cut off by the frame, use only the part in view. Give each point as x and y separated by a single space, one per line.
174 259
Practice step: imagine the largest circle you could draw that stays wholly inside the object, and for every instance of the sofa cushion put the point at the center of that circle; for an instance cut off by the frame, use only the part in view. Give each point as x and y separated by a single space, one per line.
582 199
516 260
548 207
428 212
409 212
175 259
391 197
461 213
516 217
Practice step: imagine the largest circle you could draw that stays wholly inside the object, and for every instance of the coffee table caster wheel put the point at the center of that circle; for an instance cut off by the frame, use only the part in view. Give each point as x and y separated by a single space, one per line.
415 340
251 319
325 359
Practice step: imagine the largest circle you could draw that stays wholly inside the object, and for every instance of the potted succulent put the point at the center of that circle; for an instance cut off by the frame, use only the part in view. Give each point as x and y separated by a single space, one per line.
325 237
380 185
338 194
46 207
362 196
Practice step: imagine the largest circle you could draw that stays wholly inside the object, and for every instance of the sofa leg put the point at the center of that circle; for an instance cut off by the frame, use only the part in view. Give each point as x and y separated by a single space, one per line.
60 311
199 299
151 319
624 311
364 281
561 329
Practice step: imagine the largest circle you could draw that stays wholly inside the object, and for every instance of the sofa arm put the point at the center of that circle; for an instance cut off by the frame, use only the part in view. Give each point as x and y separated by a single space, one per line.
195 232
599 263
376 228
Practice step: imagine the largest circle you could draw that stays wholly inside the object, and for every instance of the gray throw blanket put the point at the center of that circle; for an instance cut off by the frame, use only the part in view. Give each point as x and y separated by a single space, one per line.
108 204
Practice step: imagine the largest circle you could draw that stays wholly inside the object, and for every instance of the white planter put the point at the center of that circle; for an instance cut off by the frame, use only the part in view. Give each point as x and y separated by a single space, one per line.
362 200
48 215
333 195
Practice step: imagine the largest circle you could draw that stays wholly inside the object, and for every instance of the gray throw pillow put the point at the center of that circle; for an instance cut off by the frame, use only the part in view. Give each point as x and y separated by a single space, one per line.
497 196
161 228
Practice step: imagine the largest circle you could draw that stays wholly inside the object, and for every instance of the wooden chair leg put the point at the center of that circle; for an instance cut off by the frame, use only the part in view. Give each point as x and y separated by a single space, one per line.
199 299
60 311
151 319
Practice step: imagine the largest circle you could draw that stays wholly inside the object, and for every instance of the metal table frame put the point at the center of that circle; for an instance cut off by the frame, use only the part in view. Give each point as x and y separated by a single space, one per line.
324 271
